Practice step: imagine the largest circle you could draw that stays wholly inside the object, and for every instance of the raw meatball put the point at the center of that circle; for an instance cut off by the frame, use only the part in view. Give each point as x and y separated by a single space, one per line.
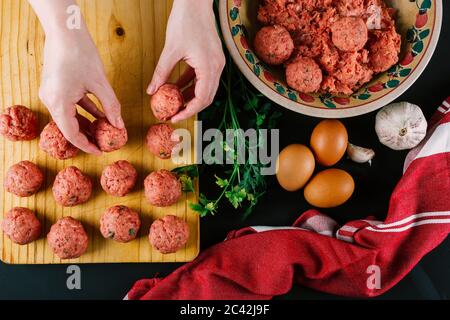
166 102
23 179
53 142
21 226
120 223
159 140
162 188
19 123
349 34
273 45
384 50
304 75
169 234
67 238
108 137
119 178
72 187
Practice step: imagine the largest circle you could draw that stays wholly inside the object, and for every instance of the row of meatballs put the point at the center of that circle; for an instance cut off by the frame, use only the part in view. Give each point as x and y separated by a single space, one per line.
72 187
19 123
68 239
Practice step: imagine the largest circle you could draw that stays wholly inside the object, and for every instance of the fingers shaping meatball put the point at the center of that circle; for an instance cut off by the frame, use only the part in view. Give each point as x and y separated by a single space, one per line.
349 34
119 178
71 187
108 137
162 188
169 234
55 144
68 239
273 45
19 123
166 102
304 75
23 179
161 140
21 226
120 223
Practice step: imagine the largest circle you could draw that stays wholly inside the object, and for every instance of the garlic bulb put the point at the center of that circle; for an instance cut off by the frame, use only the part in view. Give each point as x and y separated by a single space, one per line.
401 125
360 154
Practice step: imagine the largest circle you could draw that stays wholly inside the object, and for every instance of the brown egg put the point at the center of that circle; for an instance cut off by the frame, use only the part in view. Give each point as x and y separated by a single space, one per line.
295 166
329 188
329 141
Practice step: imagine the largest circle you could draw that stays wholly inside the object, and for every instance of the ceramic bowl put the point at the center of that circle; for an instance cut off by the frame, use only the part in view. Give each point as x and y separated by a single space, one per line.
418 22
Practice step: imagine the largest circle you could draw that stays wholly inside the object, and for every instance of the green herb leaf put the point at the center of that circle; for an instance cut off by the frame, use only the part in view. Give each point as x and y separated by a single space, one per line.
187 184
186 176
221 182
190 170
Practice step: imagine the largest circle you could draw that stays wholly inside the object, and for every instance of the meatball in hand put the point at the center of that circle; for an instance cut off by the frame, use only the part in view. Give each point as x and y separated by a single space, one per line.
200 48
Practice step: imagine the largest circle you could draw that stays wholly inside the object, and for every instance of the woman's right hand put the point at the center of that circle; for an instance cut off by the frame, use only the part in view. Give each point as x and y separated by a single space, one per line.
72 69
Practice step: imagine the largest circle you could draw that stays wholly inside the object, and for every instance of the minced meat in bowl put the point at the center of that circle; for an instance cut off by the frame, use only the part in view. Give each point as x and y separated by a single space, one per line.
335 58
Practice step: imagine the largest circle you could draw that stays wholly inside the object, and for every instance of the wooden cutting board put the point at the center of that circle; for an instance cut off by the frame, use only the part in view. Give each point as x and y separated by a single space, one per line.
130 37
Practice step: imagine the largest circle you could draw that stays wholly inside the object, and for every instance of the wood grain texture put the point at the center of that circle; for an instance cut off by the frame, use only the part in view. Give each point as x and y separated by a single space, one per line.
129 60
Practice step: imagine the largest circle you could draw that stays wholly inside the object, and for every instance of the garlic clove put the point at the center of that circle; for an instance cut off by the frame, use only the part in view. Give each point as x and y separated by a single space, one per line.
360 154
401 126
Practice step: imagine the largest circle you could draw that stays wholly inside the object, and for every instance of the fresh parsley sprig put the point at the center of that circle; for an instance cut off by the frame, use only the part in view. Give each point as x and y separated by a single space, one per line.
237 102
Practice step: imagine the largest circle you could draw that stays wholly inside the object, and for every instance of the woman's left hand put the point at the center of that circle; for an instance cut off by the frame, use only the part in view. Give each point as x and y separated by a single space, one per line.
192 36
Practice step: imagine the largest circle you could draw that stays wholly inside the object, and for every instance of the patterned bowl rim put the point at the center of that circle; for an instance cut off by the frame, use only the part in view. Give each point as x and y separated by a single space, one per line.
346 112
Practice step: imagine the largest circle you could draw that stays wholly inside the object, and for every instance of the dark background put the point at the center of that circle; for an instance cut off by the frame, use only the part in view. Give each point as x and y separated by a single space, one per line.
430 279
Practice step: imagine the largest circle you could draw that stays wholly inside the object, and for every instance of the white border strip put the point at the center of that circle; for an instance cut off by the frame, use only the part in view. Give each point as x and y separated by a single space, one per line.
413 217
414 224
264 228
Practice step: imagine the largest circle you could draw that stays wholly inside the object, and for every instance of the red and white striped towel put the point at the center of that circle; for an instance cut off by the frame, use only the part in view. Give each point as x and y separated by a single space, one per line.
363 258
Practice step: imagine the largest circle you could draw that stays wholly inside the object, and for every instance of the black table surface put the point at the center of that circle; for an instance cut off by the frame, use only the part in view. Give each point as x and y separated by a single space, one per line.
430 279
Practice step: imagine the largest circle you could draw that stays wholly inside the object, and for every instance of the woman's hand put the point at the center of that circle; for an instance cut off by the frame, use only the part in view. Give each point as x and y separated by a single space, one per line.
192 36
72 69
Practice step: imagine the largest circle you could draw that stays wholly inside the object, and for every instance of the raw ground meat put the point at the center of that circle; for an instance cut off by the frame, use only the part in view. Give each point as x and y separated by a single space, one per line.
52 142
169 234
352 71
166 102
108 137
120 223
21 226
384 50
67 238
348 58
273 44
350 8
162 188
23 179
119 178
71 187
19 123
159 140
